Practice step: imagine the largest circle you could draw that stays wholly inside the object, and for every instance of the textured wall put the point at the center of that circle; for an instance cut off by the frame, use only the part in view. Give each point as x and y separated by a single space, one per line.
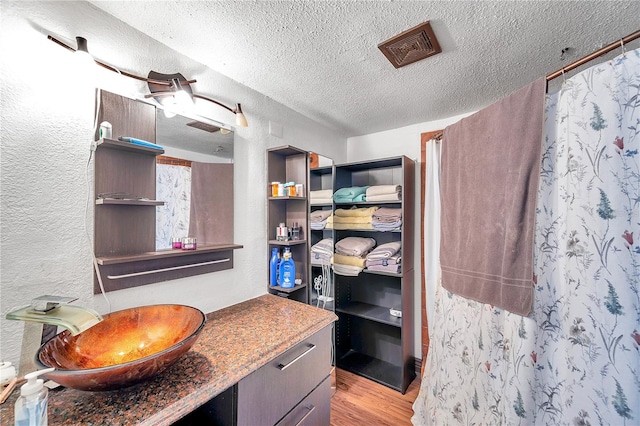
45 136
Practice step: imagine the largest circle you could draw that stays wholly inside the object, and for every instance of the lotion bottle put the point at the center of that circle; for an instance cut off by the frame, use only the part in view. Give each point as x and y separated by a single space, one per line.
287 270
273 266
31 406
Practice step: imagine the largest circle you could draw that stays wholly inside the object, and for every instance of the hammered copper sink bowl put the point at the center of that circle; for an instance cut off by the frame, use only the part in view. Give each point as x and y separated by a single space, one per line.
127 347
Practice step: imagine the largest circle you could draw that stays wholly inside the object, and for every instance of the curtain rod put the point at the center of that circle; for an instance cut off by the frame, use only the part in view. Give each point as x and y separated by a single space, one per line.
594 55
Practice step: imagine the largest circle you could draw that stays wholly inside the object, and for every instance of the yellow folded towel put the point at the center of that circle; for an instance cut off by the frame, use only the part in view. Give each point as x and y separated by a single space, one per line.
348 260
366 226
363 211
352 219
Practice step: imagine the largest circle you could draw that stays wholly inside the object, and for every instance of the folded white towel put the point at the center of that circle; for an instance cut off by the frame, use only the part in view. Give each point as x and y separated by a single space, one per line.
322 193
383 190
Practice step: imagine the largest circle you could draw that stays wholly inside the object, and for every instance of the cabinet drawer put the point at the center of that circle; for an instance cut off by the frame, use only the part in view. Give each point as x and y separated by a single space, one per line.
266 395
314 410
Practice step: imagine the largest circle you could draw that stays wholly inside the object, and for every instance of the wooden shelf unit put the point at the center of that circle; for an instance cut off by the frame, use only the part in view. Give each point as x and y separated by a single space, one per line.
289 164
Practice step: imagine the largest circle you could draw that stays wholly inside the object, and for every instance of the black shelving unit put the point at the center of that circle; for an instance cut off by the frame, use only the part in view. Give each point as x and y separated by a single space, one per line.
370 341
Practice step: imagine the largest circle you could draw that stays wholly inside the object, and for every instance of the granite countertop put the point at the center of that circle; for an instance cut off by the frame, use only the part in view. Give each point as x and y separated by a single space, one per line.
235 342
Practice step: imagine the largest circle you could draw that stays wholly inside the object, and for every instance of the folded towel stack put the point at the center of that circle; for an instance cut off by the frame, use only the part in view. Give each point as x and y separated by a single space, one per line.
385 258
387 219
354 218
350 195
318 219
322 252
323 196
384 193
349 258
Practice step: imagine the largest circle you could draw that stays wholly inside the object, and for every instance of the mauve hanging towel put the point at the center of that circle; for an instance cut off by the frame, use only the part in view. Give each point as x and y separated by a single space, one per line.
489 186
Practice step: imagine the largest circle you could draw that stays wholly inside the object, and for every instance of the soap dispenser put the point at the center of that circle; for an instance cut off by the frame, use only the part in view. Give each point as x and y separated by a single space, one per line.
31 406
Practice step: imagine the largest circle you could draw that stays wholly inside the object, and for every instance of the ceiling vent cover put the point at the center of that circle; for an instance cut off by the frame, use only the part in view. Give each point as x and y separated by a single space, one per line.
410 46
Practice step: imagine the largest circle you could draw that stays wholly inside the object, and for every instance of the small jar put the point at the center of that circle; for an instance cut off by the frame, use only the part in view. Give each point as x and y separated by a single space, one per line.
188 243
176 243
274 189
299 190
291 191
281 190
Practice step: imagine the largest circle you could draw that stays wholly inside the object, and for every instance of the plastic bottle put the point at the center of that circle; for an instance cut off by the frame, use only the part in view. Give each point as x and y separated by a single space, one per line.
287 270
31 406
273 266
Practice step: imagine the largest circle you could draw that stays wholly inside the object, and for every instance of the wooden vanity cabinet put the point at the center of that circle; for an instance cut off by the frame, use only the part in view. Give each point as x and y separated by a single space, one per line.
293 389
287 385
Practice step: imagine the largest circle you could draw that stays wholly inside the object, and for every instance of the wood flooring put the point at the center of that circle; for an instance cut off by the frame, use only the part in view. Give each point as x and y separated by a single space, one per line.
360 401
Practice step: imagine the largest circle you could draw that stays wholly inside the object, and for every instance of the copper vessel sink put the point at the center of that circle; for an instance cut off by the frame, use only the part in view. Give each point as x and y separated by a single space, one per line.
127 347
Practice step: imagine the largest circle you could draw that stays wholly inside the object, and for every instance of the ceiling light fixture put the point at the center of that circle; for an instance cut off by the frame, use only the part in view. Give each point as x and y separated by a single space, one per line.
176 86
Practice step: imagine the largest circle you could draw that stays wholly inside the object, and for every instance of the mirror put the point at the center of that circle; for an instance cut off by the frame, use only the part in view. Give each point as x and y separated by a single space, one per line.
189 135
194 177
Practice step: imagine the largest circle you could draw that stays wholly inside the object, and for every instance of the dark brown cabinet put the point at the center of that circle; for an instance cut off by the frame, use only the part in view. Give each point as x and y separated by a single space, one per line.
370 341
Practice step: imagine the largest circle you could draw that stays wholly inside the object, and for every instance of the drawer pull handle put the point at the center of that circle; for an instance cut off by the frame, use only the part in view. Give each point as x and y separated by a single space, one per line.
310 347
310 408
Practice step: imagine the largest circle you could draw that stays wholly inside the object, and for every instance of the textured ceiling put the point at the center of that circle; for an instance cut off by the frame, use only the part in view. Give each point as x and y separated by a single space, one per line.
321 58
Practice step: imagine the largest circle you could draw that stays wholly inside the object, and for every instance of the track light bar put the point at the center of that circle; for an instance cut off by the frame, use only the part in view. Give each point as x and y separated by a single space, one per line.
165 86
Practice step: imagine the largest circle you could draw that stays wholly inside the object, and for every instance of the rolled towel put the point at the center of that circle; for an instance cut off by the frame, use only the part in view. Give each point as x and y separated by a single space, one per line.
383 190
356 211
355 246
385 251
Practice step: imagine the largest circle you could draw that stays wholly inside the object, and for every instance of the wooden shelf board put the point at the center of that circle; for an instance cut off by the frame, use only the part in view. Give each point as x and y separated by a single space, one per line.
287 243
286 198
370 312
128 202
287 290
127 146
386 274
162 254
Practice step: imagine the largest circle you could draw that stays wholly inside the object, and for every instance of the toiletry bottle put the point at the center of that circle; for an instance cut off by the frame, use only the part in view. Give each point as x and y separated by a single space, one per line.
273 267
287 270
31 406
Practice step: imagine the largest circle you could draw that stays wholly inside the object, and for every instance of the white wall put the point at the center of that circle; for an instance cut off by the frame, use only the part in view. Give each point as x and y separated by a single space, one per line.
392 143
46 129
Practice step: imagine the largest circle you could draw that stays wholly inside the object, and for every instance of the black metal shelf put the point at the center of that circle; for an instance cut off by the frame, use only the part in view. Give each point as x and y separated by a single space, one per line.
372 368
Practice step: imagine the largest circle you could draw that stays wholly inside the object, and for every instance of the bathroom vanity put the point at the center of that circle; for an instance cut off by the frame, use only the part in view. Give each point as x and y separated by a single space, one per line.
263 361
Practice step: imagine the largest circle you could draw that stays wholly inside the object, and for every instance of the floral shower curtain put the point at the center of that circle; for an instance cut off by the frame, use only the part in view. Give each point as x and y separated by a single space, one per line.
173 186
576 358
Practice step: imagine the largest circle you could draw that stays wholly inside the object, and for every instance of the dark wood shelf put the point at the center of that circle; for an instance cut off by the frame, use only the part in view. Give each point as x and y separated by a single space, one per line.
370 312
165 254
367 203
372 368
287 290
286 198
287 243
128 146
321 204
128 202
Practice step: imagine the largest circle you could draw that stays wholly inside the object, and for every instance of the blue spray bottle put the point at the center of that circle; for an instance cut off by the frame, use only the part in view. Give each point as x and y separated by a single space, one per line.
287 270
273 267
